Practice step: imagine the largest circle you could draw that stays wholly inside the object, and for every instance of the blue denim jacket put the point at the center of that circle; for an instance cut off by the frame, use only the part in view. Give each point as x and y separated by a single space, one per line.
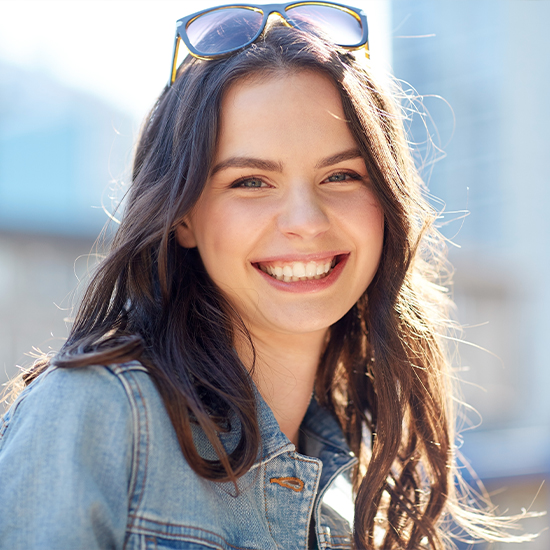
89 459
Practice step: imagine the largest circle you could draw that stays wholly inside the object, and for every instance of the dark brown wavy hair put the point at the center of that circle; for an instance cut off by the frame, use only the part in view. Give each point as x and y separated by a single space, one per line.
384 368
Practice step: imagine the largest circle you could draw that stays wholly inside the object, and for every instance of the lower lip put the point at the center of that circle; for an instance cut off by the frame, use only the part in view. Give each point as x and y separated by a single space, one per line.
314 285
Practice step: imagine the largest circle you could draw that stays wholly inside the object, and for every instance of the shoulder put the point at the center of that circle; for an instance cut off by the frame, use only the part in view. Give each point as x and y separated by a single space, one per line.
69 448
74 399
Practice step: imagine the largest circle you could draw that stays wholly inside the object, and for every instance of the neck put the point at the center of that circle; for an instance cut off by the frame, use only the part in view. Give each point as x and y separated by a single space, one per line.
284 373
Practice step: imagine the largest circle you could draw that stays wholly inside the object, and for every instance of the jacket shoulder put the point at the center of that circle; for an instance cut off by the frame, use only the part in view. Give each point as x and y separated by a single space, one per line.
76 431
98 391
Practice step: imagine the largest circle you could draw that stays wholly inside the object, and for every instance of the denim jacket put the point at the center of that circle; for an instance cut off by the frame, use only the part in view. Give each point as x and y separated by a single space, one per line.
89 459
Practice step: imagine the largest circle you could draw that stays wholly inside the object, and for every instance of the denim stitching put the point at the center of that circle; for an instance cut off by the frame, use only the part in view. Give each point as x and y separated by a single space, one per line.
130 375
312 498
337 544
265 504
148 540
136 449
163 534
127 381
340 543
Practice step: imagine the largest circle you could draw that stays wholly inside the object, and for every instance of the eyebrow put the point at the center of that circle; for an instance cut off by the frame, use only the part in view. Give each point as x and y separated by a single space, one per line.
339 157
247 162
272 166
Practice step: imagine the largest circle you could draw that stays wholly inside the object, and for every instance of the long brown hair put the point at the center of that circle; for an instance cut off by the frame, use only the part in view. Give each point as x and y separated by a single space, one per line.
383 368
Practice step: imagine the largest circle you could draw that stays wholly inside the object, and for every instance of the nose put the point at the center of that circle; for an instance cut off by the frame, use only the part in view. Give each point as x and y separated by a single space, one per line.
303 214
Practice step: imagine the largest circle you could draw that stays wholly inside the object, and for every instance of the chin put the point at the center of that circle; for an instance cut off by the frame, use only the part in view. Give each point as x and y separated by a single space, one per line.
303 324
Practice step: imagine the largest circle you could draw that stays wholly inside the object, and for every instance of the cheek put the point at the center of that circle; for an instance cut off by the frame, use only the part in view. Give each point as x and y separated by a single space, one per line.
213 244
365 222
363 216
224 233
376 228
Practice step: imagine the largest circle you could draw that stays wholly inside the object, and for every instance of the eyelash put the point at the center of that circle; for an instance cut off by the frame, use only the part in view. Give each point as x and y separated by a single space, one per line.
352 175
240 182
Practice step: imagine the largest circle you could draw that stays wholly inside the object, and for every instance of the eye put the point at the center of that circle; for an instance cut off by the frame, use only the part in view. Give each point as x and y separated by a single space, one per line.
343 176
249 183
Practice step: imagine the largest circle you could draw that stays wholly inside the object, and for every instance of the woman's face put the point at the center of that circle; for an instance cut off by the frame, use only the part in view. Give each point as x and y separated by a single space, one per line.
287 225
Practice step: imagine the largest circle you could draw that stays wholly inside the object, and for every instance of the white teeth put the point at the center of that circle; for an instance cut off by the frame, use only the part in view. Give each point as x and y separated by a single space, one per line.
299 271
311 269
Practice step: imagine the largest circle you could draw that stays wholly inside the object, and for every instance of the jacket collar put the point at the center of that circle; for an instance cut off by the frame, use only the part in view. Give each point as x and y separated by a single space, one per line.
321 434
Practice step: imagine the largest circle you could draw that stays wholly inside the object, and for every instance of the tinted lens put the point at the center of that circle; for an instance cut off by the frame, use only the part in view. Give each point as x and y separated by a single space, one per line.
224 30
339 26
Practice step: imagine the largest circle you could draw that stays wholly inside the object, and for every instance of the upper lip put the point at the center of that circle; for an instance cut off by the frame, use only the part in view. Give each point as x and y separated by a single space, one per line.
314 257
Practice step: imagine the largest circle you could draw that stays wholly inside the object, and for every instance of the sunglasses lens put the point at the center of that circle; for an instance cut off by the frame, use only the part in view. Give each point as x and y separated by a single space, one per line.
223 30
340 26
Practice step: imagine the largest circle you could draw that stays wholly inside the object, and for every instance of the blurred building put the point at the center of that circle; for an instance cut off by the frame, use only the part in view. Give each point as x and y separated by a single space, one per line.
481 69
61 154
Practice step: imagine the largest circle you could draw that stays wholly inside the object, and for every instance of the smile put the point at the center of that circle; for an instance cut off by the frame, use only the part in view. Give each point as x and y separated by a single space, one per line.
299 271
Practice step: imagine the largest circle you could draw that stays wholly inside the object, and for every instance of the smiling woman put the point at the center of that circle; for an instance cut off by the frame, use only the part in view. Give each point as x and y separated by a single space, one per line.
298 233
269 315
299 230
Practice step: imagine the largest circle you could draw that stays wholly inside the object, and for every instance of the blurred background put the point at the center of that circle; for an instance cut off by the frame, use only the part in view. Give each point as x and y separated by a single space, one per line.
77 77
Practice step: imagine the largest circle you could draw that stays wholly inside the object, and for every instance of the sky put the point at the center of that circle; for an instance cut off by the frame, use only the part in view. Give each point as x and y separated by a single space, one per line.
120 50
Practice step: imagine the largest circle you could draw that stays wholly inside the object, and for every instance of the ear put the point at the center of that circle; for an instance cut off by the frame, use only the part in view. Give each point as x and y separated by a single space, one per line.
185 234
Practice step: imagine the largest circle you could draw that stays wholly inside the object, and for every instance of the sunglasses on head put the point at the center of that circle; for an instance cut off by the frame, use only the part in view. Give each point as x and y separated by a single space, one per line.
215 32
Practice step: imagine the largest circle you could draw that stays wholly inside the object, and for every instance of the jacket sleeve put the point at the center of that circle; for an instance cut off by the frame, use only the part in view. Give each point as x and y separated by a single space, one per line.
65 463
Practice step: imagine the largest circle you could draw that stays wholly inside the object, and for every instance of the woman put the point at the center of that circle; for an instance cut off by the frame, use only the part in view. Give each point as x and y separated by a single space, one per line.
275 245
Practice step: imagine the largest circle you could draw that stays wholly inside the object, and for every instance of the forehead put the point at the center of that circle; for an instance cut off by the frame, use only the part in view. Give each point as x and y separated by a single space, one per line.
282 110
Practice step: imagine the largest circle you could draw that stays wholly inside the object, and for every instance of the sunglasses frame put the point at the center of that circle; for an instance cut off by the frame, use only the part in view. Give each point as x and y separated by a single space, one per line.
266 10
